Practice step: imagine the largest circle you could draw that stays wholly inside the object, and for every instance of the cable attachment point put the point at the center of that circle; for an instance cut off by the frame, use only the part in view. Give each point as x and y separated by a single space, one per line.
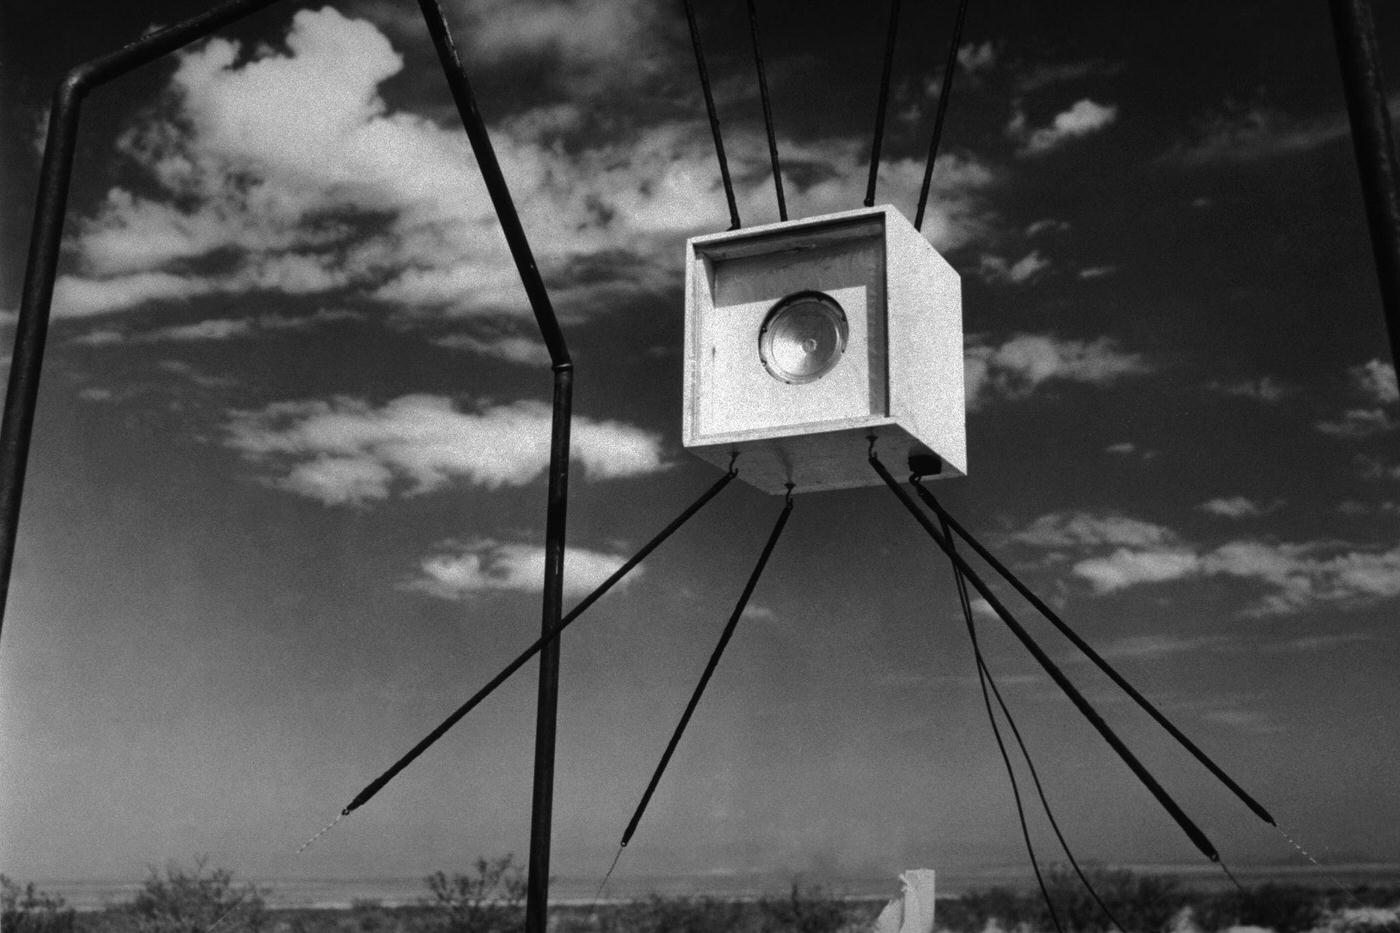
870 451
787 500
733 457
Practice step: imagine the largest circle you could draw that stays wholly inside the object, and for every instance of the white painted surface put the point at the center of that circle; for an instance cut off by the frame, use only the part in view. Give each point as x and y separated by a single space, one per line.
912 911
900 378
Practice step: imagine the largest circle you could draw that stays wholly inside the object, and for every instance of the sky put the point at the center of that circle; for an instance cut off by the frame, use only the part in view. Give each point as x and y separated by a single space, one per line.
285 508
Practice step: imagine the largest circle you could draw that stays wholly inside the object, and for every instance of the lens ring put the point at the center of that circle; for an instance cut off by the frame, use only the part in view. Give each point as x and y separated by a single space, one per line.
803 337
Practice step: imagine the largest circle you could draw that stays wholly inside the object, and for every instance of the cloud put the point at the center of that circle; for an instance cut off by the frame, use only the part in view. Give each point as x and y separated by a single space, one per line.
75 296
1371 468
1115 553
214 329
1022 364
1375 380
1096 272
1237 133
1244 720
756 613
1083 118
600 42
976 58
1300 576
998 269
1085 529
485 566
193 374
1121 449
1266 389
1236 507
1307 644
1127 567
500 339
287 171
1153 647
1047 226
1041 76
347 452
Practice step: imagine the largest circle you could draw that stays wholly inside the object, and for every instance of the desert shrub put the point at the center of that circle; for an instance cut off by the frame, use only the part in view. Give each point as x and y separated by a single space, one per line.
1141 903
659 914
974 910
367 916
28 910
1283 908
1364 920
488 901
809 910
193 902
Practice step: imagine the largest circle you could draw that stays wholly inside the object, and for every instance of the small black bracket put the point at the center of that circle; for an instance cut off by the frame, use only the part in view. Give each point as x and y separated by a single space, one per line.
925 464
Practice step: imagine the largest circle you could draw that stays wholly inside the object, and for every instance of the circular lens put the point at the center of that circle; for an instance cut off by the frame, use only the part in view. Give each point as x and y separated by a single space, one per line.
803 337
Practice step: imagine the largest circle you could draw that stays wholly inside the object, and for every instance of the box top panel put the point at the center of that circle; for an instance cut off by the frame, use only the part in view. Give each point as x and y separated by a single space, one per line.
865 221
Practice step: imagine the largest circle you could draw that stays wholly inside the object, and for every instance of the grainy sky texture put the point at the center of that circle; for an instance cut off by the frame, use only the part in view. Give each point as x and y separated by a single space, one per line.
286 501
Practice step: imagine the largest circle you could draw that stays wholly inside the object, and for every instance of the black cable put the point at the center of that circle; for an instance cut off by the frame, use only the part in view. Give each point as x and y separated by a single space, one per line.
767 111
714 117
1197 837
1094 656
882 105
378 783
710 667
986 674
944 94
983 677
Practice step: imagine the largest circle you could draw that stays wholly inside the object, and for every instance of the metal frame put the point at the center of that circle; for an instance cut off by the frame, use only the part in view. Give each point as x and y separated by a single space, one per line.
31 334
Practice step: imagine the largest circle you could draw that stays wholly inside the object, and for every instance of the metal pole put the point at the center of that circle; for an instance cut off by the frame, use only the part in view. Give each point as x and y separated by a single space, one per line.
542 802
45 242
1355 32
33 325
547 704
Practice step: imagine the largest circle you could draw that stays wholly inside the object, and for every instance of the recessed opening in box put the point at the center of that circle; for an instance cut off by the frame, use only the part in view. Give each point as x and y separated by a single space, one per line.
739 287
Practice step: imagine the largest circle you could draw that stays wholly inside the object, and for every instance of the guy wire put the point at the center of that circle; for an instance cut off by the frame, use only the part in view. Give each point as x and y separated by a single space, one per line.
767 111
324 829
982 678
599 893
985 676
882 105
378 783
1089 652
713 115
1193 832
944 93
1327 874
710 666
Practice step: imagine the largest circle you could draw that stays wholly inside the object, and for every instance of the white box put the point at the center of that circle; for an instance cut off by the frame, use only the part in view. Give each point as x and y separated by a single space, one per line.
899 379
